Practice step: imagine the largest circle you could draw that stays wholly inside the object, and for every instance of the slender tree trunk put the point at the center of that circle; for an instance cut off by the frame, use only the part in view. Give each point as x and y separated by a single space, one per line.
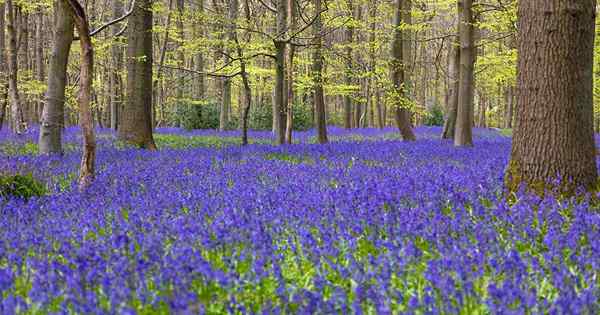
349 34
3 83
280 85
402 114
86 72
291 6
116 95
181 107
226 101
463 134
39 61
508 113
16 110
317 69
53 113
453 86
136 119
244 74
200 88
554 133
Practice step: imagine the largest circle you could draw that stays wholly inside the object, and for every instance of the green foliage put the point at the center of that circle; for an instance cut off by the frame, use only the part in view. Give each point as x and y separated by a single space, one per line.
15 149
21 186
261 117
434 117
182 142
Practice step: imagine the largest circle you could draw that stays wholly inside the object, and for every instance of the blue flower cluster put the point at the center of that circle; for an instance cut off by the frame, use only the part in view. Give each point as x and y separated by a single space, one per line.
367 224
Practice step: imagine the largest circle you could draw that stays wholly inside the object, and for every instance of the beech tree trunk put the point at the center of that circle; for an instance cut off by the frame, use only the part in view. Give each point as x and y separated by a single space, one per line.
200 87
453 86
53 112
39 62
349 34
289 126
554 121
3 83
317 69
226 100
280 85
402 114
16 108
86 72
116 96
463 133
136 119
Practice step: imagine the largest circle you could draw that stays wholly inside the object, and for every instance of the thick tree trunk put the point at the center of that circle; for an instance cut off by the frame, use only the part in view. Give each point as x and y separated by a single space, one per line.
453 86
136 119
402 114
86 72
53 112
463 134
317 69
554 127
16 109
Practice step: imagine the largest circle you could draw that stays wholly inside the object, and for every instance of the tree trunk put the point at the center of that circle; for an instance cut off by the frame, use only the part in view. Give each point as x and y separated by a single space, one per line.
116 95
86 72
463 134
453 86
402 114
280 85
508 111
53 112
226 101
317 69
200 88
16 110
289 126
349 34
483 103
554 129
3 85
136 119
39 61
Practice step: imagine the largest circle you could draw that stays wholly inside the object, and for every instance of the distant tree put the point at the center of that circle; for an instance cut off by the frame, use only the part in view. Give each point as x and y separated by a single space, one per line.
136 119
554 121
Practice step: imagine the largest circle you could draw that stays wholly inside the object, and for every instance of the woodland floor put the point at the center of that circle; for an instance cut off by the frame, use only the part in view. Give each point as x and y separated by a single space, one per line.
365 224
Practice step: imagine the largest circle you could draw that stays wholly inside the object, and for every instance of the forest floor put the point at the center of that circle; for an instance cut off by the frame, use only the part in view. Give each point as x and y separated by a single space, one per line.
365 224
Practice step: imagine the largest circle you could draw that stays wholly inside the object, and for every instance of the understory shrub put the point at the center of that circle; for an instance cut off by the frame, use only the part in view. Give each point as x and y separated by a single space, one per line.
21 186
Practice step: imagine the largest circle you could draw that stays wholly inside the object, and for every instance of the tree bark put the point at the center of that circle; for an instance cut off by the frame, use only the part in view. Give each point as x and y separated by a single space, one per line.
86 72
136 119
53 112
16 109
226 100
116 95
289 126
402 114
200 88
3 83
349 34
317 69
453 86
280 85
554 121
463 134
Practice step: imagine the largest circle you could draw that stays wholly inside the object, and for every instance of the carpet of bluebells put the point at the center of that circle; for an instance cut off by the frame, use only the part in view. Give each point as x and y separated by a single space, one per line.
365 225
